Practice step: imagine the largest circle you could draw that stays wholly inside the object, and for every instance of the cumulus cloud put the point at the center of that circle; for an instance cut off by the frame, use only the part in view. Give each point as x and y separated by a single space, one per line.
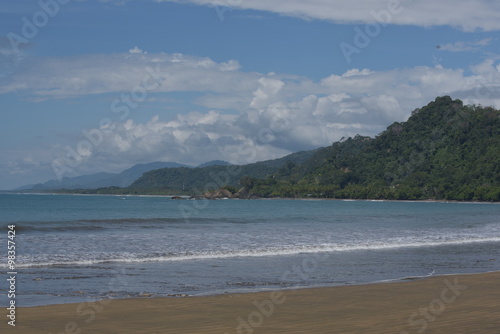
468 15
267 92
243 117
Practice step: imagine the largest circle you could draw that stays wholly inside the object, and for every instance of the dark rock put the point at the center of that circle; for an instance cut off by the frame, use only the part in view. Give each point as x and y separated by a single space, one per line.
177 197
196 197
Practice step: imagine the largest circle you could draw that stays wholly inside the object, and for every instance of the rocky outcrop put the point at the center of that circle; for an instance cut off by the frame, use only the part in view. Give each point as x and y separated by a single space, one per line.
196 197
218 194
243 193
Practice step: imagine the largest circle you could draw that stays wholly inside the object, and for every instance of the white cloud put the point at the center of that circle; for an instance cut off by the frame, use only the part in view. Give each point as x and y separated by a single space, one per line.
267 92
467 15
97 74
191 138
136 50
462 46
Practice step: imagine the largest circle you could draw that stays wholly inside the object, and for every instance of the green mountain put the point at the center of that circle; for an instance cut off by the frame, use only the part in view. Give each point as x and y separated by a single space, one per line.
444 151
201 179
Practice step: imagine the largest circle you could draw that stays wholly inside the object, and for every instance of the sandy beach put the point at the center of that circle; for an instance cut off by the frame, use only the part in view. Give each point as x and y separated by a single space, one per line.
441 304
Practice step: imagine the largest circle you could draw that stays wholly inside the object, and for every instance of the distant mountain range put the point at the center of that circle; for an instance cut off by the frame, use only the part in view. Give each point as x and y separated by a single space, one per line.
101 180
196 180
214 163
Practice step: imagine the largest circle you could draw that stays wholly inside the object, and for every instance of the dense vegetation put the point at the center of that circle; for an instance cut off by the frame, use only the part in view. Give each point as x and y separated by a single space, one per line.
444 151
113 190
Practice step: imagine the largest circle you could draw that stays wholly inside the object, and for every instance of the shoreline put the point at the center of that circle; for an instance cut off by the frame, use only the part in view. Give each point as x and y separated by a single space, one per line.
262 198
465 303
236 291
377 200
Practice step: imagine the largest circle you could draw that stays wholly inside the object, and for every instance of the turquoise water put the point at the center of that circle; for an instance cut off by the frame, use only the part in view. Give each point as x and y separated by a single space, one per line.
74 248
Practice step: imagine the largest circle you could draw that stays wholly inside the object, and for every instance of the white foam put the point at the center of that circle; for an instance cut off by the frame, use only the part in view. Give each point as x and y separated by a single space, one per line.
326 248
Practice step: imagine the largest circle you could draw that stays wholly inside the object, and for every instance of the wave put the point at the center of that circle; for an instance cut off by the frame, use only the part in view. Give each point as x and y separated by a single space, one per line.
94 224
330 248
60 228
101 224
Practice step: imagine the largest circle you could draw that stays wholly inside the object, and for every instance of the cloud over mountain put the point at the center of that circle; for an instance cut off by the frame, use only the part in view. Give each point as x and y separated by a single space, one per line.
242 116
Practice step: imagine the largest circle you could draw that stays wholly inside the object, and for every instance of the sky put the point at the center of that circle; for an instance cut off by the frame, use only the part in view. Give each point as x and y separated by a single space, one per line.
91 86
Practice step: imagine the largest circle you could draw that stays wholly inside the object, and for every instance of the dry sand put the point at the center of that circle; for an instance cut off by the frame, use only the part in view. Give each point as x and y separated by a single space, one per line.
443 304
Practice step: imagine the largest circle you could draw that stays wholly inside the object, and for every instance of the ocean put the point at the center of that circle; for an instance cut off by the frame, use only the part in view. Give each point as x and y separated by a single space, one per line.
76 248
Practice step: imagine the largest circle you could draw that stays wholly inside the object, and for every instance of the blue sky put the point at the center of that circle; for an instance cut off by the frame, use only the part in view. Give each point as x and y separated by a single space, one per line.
103 85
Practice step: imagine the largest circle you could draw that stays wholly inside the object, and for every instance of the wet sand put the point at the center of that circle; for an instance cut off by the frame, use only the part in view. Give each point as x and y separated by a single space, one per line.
440 304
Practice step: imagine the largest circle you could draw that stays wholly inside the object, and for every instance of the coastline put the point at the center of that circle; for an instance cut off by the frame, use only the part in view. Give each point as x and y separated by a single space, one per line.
186 198
465 303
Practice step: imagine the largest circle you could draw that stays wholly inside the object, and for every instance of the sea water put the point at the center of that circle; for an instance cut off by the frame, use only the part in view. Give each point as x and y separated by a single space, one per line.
73 248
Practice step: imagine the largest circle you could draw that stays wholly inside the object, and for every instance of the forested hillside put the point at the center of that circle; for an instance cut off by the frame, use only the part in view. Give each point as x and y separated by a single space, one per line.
444 151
